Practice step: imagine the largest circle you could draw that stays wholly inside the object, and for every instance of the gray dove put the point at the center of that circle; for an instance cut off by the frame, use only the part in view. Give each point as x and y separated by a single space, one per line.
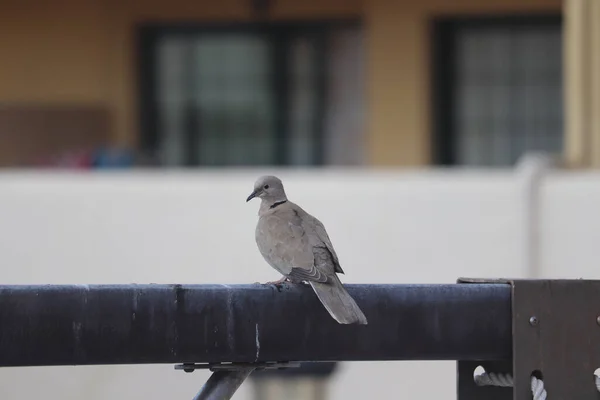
297 245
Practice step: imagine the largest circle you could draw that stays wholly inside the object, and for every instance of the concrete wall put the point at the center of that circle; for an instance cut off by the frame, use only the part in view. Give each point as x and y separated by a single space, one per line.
180 227
74 52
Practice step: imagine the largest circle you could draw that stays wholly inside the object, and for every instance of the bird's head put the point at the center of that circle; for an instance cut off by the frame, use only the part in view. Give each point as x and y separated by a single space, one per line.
268 188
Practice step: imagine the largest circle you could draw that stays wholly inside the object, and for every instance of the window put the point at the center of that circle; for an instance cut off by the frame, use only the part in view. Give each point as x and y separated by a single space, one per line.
498 89
250 95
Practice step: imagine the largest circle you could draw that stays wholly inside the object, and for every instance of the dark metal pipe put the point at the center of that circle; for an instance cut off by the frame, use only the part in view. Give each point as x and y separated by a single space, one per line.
144 324
222 385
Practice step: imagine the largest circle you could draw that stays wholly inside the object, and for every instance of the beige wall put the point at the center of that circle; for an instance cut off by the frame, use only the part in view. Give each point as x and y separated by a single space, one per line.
74 52
53 53
582 79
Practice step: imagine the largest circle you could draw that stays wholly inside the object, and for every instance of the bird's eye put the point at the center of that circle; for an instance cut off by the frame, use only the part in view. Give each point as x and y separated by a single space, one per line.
266 186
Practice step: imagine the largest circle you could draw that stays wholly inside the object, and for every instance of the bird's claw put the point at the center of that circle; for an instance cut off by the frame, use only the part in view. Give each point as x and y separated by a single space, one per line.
278 282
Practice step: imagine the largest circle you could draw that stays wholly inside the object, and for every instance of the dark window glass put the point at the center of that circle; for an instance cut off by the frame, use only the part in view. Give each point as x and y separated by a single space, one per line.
250 96
503 95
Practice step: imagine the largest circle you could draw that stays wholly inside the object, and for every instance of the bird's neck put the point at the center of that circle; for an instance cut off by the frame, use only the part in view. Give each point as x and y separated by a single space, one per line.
270 205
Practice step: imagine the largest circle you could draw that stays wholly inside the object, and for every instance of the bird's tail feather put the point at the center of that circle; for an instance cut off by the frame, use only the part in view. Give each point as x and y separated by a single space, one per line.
338 302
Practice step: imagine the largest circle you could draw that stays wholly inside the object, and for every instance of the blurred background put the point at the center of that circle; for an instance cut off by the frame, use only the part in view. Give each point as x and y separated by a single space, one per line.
435 139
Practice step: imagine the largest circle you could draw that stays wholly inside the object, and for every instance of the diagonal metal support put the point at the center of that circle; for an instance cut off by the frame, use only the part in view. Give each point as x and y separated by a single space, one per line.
227 378
222 385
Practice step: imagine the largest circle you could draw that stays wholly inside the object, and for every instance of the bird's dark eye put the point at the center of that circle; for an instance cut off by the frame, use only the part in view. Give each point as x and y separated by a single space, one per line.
266 186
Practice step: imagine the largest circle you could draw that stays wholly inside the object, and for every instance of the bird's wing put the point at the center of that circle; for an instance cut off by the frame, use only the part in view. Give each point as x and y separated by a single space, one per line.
286 244
322 239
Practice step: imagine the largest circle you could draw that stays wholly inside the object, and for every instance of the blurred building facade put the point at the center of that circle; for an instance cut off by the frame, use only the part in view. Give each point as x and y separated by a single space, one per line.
312 82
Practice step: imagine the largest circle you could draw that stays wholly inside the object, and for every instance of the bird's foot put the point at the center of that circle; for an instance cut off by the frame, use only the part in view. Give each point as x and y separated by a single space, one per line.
278 282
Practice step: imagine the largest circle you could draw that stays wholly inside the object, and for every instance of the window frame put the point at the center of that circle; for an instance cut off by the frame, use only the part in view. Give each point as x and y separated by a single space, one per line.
279 33
443 61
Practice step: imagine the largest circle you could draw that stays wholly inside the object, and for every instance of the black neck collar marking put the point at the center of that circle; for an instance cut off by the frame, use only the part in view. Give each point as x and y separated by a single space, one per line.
278 203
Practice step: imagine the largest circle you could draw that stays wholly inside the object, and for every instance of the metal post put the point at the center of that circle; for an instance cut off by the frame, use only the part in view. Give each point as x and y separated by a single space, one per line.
556 337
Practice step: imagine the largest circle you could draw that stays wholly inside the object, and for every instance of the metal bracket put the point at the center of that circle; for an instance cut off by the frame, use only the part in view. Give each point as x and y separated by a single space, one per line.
556 336
228 377
213 367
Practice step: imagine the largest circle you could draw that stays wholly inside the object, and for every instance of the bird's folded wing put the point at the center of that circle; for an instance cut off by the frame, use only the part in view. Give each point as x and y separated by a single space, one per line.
322 238
291 249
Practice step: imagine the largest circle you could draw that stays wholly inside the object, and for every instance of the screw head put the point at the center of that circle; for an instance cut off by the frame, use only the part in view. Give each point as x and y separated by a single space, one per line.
533 321
598 320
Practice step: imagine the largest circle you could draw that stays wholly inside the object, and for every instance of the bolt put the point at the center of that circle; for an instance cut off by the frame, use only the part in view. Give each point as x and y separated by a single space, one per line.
533 321
598 320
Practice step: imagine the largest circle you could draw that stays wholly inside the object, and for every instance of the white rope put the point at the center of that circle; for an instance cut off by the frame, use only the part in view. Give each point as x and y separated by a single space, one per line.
494 379
537 389
506 380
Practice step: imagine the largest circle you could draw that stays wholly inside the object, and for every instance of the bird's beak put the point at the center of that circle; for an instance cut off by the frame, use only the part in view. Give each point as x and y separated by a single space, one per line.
252 195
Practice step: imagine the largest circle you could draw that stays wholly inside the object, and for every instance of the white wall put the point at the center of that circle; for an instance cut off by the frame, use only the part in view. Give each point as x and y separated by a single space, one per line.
184 227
